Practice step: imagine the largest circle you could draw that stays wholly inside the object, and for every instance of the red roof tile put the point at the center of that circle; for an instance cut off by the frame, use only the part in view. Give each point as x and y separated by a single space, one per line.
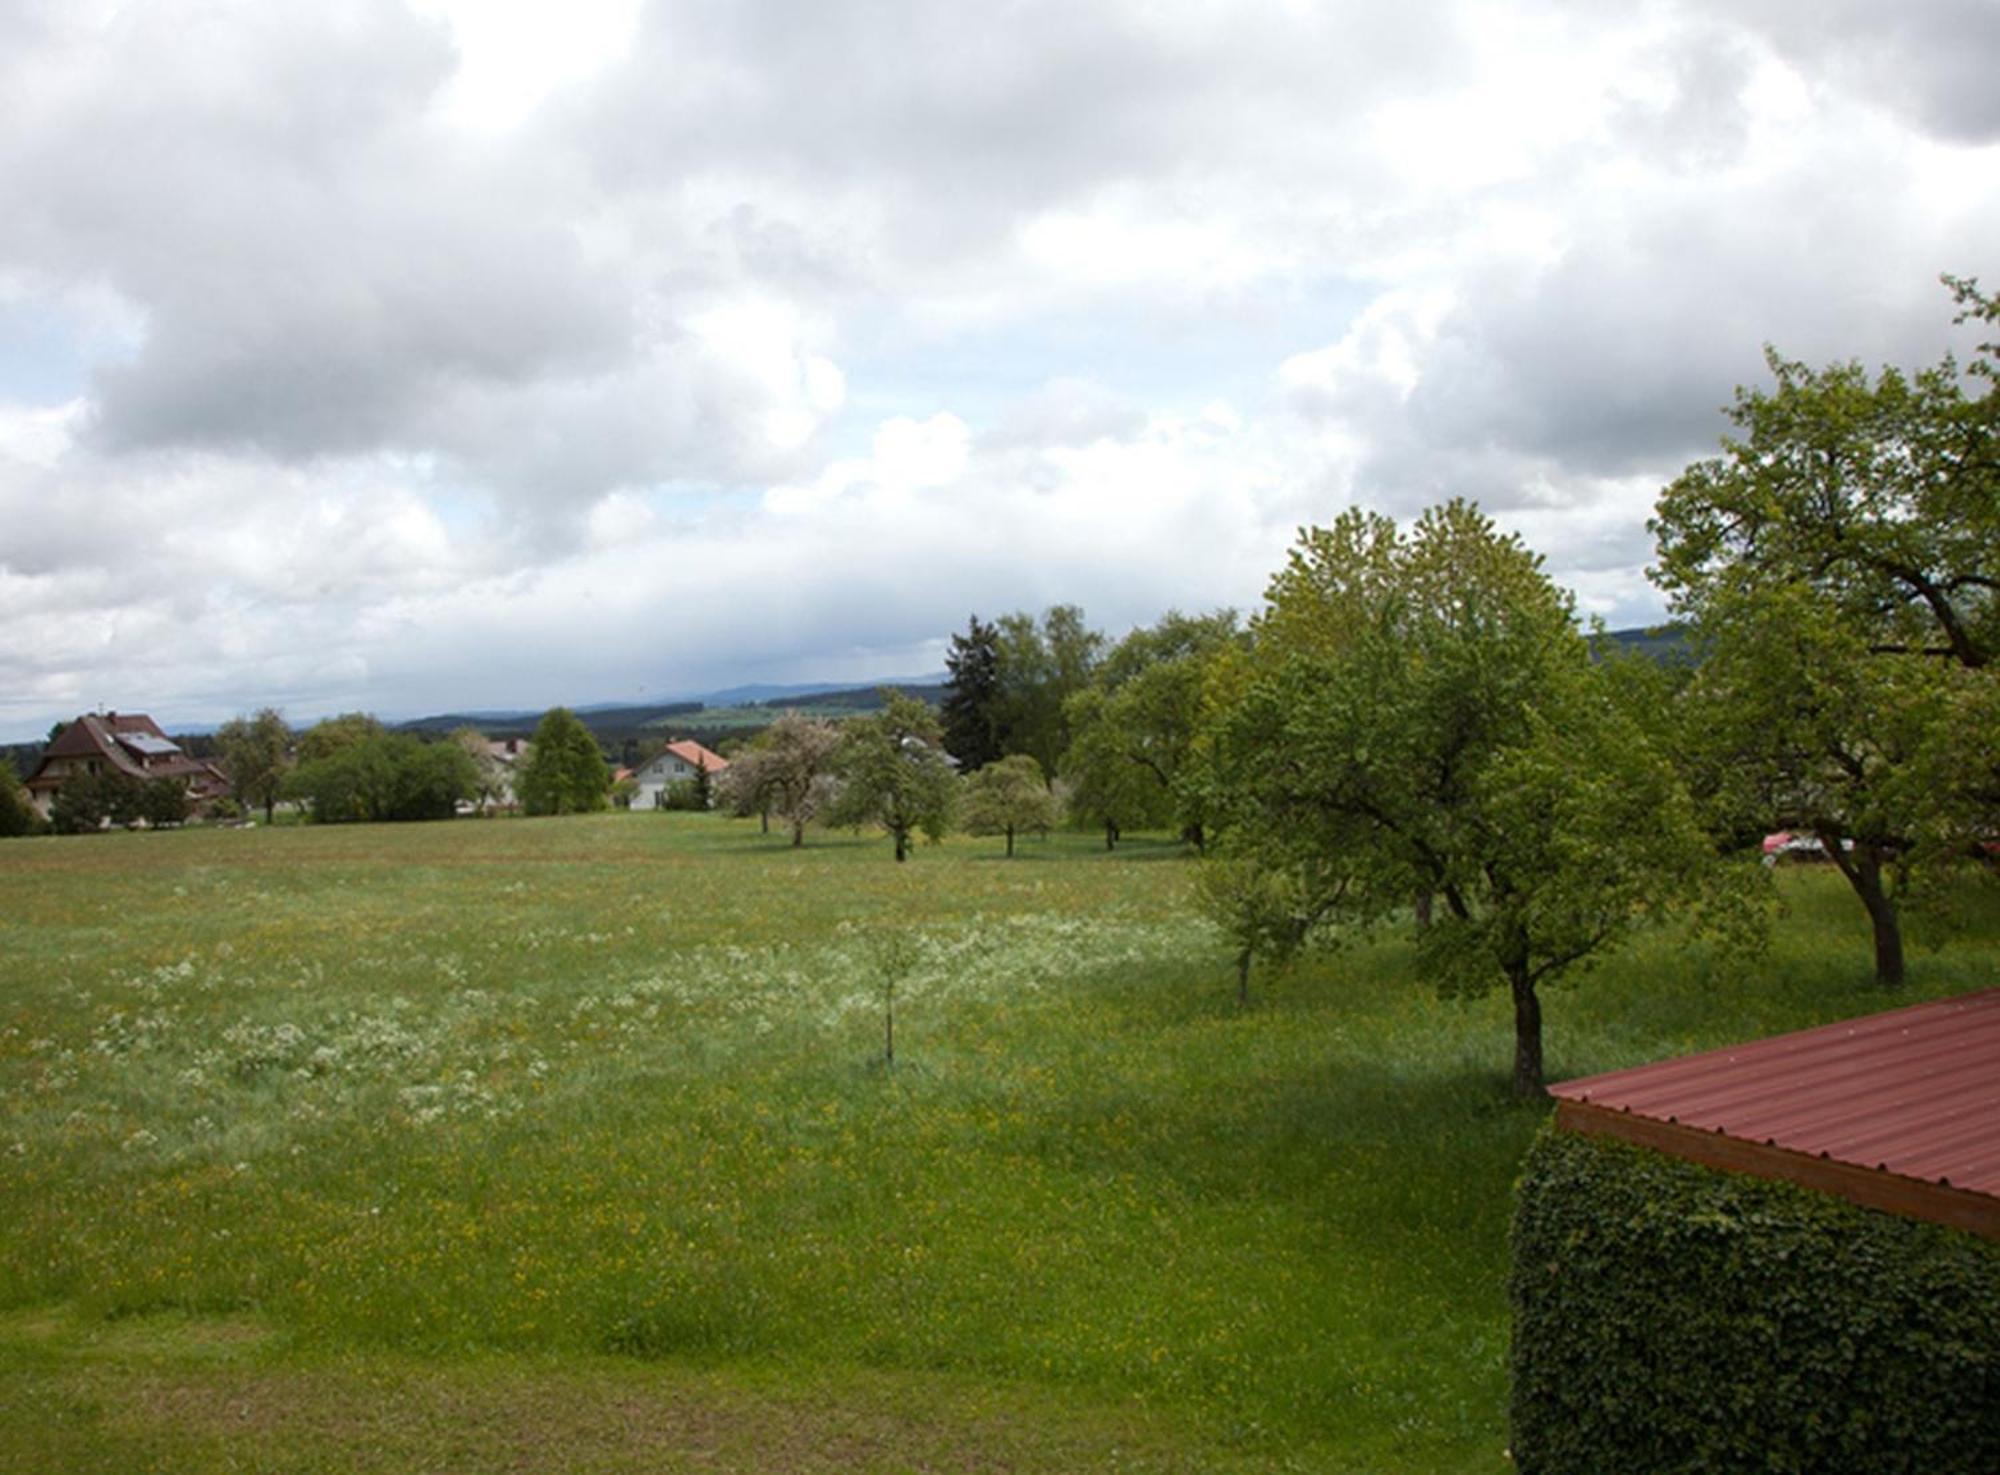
695 755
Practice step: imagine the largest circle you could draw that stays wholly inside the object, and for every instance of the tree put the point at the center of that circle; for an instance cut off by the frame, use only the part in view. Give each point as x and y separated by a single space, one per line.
256 751
564 772
1153 687
971 711
389 776
745 787
17 811
1840 564
1106 788
489 775
1042 665
163 801
1006 797
1883 497
1262 911
1421 715
87 801
893 772
324 739
798 759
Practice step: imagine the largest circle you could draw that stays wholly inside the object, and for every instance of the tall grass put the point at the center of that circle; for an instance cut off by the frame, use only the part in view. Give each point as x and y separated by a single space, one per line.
614 1085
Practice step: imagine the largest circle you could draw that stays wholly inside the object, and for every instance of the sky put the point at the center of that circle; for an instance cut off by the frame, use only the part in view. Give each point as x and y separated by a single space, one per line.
425 355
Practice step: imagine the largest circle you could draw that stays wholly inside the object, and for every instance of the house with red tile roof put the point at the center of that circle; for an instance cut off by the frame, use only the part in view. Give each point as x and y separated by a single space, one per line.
121 742
677 763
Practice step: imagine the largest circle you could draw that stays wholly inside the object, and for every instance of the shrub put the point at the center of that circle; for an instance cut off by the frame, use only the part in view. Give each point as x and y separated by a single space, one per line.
1670 1317
385 777
17 811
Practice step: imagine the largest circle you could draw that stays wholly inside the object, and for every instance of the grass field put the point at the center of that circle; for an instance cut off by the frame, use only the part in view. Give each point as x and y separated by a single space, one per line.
542 1144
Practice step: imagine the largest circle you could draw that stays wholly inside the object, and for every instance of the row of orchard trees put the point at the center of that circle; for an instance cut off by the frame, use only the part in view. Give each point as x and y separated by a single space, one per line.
891 770
1415 731
350 769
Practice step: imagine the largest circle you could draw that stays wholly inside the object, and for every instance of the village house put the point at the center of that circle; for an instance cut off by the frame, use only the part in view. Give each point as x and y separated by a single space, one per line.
121 742
677 763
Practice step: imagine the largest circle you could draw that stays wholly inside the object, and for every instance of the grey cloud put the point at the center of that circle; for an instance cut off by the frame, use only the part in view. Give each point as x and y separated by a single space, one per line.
1931 61
961 118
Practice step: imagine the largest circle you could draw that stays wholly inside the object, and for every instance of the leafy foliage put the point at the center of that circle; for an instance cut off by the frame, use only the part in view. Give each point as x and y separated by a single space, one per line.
256 752
390 776
565 771
1841 564
163 801
788 771
87 801
17 812
1422 717
1669 1317
1133 751
971 718
1883 497
1008 797
324 739
1042 665
893 772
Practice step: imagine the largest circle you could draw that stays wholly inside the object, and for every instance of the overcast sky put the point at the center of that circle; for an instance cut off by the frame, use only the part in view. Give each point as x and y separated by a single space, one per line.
476 353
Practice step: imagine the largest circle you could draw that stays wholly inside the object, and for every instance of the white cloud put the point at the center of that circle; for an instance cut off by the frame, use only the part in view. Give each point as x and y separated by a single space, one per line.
346 348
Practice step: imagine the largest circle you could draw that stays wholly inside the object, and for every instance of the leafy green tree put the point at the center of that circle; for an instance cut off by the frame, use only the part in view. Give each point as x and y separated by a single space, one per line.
1153 687
1421 715
163 801
17 811
1105 788
1840 565
1042 665
324 739
1006 797
564 772
1263 911
893 772
256 752
973 733
390 776
87 801
1883 496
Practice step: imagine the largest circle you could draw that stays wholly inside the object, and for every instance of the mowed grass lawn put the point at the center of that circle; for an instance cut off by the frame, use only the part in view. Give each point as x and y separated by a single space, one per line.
568 1144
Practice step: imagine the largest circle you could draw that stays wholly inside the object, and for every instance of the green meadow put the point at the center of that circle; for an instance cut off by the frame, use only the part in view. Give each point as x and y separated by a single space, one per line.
570 1144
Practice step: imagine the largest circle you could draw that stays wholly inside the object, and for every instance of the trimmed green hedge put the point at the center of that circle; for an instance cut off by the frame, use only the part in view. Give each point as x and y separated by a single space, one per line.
1669 1317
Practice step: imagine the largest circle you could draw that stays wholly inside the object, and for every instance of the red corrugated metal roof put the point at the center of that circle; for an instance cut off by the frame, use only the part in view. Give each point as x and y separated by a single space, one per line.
1913 1091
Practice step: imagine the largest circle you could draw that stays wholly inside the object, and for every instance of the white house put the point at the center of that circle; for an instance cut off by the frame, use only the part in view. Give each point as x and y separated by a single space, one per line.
676 764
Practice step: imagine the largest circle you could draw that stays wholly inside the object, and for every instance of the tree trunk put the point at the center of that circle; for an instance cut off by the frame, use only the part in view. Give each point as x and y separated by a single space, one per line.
1010 842
902 844
270 812
764 821
1527 1035
1423 910
1110 835
1863 868
798 833
1243 979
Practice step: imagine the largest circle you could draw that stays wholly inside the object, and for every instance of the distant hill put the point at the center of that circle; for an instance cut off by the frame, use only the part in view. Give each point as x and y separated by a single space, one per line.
1667 644
599 719
866 698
